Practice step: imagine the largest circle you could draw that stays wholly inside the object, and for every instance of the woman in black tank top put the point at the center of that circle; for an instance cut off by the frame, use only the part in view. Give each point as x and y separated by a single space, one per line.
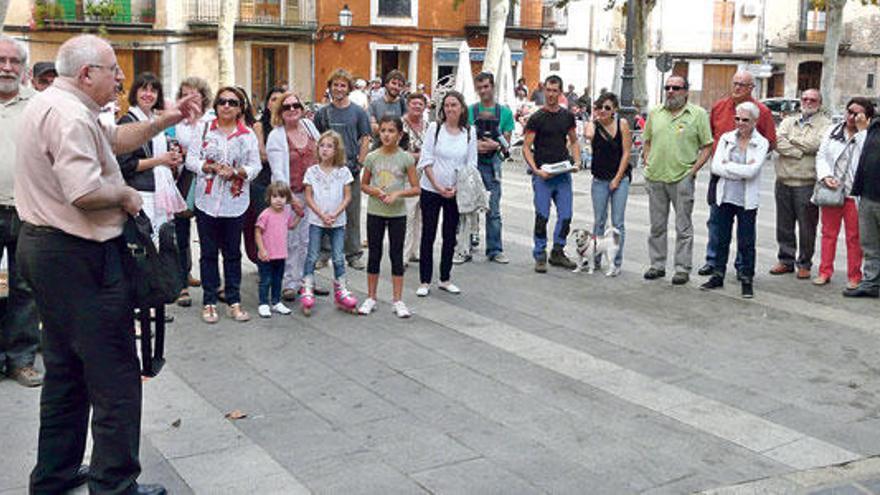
611 140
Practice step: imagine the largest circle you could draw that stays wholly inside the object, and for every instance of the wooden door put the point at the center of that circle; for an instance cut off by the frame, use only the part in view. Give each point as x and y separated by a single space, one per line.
722 36
716 83
268 69
809 76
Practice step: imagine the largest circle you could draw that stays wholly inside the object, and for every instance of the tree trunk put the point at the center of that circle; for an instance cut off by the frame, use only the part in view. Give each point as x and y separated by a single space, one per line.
498 10
641 46
4 6
225 42
833 33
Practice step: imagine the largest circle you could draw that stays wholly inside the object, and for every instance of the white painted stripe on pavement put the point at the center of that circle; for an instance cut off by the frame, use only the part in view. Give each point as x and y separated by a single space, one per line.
206 450
750 431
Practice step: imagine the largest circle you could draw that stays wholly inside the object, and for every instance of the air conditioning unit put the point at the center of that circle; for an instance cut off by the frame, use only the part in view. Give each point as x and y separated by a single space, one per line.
750 9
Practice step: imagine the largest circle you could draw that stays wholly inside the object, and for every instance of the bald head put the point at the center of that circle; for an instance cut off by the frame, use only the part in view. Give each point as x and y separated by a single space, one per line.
80 51
89 63
743 83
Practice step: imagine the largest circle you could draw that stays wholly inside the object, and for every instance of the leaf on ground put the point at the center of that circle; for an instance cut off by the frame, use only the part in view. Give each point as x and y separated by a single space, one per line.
176 423
236 414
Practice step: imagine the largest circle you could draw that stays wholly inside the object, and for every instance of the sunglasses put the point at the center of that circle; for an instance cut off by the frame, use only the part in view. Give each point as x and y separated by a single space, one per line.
670 87
811 100
232 102
291 106
741 119
607 108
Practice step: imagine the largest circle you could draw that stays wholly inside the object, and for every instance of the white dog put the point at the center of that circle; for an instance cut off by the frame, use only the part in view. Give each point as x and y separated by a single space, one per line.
589 247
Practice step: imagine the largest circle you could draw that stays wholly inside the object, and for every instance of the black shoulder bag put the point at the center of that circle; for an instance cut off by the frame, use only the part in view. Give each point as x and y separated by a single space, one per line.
155 282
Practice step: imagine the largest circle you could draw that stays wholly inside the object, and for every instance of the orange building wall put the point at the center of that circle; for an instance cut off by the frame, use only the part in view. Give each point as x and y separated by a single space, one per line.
437 19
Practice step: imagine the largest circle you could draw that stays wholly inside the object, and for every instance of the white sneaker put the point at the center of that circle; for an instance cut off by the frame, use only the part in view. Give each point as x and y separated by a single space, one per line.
459 259
367 306
264 311
500 258
400 309
614 272
449 287
281 309
422 291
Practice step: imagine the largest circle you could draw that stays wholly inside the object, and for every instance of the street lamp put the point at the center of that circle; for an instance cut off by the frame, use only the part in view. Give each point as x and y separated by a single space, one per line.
627 109
345 17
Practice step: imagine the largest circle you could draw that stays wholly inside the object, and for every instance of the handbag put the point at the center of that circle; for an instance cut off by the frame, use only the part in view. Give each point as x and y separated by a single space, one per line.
155 273
825 196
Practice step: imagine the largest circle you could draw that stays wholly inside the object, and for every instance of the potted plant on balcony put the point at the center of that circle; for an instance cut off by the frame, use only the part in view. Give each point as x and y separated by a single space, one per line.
47 13
148 14
102 10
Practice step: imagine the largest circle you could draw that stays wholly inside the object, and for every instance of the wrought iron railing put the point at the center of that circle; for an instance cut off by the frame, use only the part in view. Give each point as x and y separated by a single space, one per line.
280 13
77 12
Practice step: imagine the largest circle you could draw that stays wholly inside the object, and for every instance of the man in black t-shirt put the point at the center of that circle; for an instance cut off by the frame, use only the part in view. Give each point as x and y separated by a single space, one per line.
553 132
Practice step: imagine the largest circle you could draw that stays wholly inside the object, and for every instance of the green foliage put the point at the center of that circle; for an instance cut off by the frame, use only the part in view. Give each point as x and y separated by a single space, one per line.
103 9
47 11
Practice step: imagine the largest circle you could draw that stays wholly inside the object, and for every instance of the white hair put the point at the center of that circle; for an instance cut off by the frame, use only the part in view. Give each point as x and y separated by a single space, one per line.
750 107
22 51
78 51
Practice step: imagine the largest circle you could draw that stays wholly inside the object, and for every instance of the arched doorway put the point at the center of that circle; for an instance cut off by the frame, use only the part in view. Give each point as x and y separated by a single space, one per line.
809 75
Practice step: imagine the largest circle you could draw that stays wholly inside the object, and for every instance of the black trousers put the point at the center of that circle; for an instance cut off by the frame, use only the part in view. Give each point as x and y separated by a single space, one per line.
83 297
432 204
376 235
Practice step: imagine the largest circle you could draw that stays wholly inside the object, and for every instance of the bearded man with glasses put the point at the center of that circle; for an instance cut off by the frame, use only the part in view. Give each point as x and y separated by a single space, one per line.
677 145
798 140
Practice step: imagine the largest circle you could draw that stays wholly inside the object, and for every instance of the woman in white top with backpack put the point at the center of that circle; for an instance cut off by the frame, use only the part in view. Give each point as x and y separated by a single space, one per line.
450 144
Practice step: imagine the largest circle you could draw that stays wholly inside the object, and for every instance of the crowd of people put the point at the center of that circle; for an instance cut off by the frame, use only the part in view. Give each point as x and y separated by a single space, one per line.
290 183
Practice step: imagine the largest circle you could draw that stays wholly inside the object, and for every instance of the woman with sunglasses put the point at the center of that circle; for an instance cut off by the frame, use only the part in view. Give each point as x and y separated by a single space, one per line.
611 141
738 159
225 157
291 149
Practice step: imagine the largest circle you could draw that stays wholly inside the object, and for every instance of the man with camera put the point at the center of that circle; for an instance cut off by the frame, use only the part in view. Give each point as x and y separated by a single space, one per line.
494 125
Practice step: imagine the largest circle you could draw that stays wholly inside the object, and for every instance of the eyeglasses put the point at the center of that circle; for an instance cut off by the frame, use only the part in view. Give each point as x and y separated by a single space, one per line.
232 102
607 108
670 87
742 84
112 68
741 119
13 61
291 106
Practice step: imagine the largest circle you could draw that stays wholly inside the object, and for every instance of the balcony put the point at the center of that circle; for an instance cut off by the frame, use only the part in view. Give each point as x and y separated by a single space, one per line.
115 15
534 18
256 16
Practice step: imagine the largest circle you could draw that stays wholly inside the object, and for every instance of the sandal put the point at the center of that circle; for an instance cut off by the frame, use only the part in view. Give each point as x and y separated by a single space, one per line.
235 312
209 314
184 300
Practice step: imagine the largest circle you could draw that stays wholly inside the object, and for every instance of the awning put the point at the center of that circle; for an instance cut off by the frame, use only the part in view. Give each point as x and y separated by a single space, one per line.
450 55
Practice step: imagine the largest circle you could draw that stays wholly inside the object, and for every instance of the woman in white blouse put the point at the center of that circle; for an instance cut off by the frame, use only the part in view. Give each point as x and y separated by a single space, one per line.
738 159
226 157
449 145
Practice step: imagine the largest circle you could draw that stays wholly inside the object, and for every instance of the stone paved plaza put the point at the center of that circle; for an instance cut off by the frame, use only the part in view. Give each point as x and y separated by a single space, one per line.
525 383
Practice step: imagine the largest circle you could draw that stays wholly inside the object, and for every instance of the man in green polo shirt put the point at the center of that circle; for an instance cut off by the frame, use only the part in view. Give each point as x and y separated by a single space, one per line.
678 142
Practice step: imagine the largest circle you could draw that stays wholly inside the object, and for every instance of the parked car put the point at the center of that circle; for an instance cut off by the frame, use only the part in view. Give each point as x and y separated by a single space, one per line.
782 107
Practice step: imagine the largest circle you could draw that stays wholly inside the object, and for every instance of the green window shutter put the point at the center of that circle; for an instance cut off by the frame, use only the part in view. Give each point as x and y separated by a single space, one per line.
69 7
124 10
